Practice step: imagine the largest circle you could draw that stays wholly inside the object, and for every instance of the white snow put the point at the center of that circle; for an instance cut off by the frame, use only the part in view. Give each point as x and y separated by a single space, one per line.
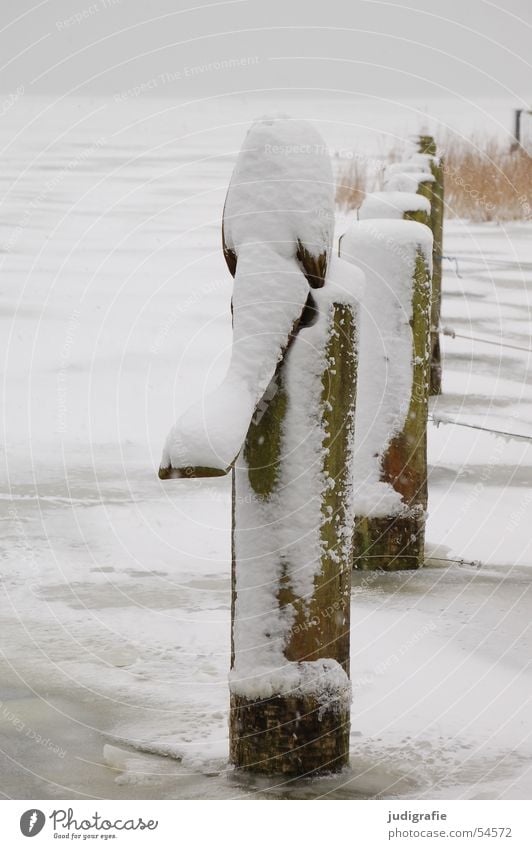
281 534
268 298
346 284
424 161
115 287
324 680
407 181
280 196
392 204
386 251
282 189
412 165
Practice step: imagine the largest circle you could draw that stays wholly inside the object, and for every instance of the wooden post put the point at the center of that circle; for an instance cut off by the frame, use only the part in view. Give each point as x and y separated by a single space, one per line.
396 257
427 148
292 554
282 420
419 182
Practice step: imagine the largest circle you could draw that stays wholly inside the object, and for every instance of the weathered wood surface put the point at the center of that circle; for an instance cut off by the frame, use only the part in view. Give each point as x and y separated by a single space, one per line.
393 543
298 733
289 735
427 146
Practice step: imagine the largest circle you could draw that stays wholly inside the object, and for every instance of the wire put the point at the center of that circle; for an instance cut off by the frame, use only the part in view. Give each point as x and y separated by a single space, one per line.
496 263
455 260
477 563
448 331
503 263
438 421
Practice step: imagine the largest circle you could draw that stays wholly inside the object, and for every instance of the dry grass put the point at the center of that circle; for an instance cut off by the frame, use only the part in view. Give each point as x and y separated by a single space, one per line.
352 184
358 176
484 181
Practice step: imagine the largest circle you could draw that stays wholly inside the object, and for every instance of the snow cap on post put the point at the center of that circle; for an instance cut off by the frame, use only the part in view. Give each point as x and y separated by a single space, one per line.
428 158
282 195
408 181
389 472
396 205
412 165
277 235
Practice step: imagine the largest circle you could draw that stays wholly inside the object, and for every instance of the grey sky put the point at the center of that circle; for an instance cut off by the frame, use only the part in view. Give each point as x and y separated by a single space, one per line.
370 47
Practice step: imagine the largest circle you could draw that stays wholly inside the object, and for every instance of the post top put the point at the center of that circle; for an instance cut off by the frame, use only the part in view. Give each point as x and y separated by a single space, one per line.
392 204
387 246
408 181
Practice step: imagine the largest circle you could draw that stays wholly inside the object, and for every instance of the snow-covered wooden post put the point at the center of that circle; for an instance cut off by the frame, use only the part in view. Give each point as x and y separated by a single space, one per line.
396 205
428 153
292 555
416 178
390 467
283 419
424 173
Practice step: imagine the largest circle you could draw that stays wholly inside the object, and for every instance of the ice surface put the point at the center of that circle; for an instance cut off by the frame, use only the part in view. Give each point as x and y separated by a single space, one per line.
115 291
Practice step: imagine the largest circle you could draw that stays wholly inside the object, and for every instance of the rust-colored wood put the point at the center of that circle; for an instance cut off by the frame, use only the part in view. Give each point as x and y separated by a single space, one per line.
397 542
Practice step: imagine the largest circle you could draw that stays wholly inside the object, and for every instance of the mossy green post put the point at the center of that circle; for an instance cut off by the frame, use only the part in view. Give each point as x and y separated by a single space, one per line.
427 145
394 543
296 734
417 215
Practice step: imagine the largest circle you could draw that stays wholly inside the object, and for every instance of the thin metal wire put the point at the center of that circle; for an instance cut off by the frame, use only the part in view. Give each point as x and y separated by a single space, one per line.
452 334
496 263
438 422
460 560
